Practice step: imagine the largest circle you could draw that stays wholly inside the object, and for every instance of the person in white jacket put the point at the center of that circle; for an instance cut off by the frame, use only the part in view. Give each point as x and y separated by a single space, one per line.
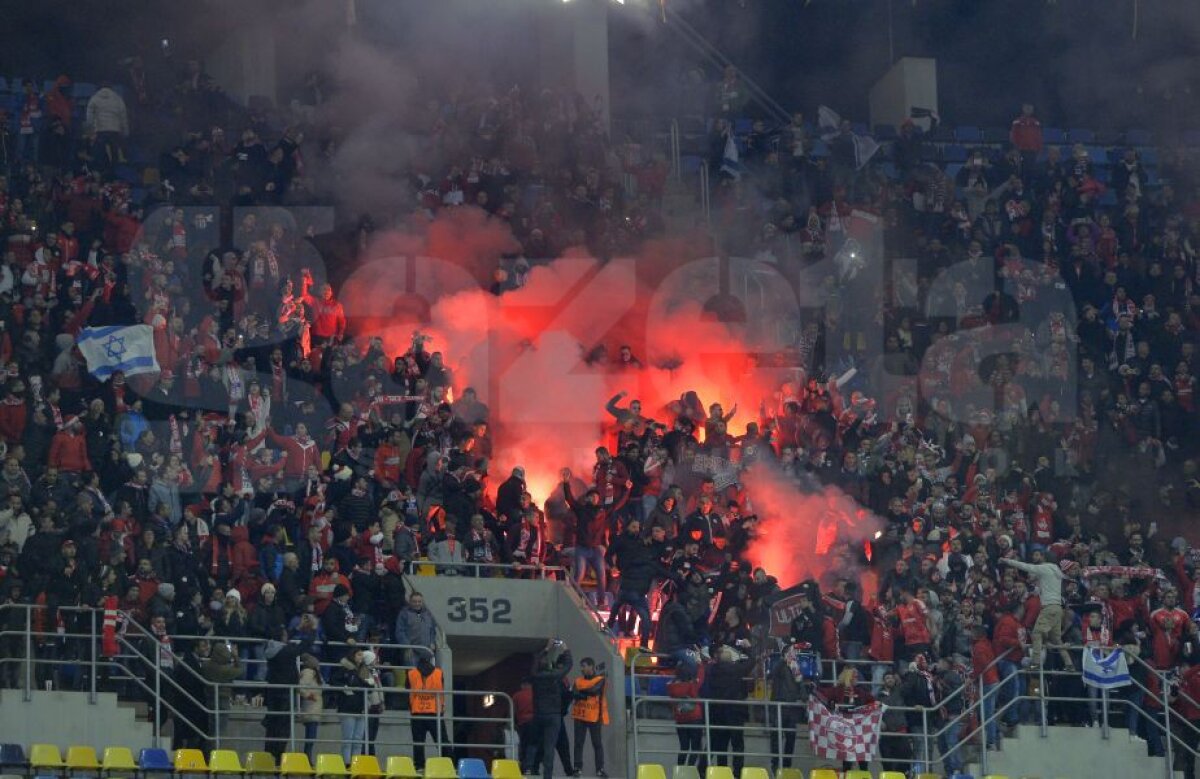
109 120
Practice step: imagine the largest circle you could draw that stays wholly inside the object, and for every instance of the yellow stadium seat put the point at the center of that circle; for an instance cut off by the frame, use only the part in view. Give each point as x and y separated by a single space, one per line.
118 759
82 759
261 763
190 761
926 776
440 768
691 772
789 773
506 769
402 767
224 761
330 765
295 764
996 776
720 772
366 766
755 773
823 773
860 774
45 756
651 771
891 775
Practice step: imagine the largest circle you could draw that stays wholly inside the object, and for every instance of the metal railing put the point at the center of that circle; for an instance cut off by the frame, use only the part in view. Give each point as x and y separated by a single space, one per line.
937 737
676 154
705 193
486 570
150 672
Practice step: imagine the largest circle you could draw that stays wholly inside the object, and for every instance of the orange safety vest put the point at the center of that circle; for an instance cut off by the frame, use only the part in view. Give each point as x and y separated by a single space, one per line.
592 708
424 703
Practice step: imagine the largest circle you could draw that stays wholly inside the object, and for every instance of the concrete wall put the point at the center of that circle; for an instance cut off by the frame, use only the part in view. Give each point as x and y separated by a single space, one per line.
911 82
67 719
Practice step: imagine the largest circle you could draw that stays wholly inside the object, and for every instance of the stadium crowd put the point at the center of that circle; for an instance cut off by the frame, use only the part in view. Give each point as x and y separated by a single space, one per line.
281 472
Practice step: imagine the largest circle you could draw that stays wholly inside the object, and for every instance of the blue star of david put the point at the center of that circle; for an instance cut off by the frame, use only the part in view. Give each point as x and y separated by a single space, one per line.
114 347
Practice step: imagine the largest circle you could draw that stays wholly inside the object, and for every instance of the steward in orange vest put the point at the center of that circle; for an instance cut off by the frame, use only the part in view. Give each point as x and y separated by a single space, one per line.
590 712
425 703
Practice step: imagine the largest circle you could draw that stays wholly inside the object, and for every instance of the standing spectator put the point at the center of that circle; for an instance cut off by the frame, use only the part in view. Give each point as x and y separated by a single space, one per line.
1026 135
983 668
1049 578
329 318
689 714
27 106
283 663
550 669
353 678
311 702
727 685
109 121
416 628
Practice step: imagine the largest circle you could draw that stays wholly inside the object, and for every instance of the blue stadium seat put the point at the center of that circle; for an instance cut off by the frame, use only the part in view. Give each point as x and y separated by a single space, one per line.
155 761
952 170
942 133
885 132
1103 174
1137 137
993 135
1053 135
968 133
690 163
47 85
1108 199
741 125
11 755
954 154
3 84
83 90
1079 135
472 768
860 129
820 149
1152 178
1097 154
1149 156
1107 137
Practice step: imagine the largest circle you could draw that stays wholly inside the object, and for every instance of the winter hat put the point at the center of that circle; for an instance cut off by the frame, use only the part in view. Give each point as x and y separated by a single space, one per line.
167 590
233 593
1068 567
368 657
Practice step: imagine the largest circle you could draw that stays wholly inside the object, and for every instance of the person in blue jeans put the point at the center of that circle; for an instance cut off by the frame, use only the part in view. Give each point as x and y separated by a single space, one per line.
352 678
591 530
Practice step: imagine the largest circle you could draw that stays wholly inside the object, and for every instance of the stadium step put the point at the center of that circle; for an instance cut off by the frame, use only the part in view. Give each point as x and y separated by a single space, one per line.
1071 751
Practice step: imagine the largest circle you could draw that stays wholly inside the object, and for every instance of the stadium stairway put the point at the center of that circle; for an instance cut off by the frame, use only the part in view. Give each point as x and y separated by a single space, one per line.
42 718
1073 751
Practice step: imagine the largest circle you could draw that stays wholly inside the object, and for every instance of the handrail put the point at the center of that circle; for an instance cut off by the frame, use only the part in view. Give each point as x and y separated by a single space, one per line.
705 193
543 571
676 157
164 690
697 41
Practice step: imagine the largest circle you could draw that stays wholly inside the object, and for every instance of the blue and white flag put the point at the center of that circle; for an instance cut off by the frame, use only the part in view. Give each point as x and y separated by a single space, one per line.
730 164
1105 669
830 125
110 349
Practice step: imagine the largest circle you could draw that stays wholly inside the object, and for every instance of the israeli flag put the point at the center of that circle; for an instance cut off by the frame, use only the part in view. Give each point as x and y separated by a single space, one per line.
1105 669
730 164
110 349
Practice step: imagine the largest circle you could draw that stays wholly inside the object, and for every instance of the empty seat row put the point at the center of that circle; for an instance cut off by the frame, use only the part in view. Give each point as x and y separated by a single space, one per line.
47 759
655 771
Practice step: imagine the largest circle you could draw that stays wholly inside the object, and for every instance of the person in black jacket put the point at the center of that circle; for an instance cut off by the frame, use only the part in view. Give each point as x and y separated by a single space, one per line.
634 559
676 634
338 621
283 668
353 677
727 682
549 698
591 531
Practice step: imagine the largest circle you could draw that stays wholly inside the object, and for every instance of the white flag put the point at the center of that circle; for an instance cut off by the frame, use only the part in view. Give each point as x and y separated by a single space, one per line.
730 163
1105 669
110 349
830 125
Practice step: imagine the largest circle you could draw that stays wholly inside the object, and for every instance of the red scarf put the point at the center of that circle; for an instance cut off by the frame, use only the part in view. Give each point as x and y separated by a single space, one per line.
108 641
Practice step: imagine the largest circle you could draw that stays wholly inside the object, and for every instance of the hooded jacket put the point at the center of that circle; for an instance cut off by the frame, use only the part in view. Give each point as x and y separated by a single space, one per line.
106 112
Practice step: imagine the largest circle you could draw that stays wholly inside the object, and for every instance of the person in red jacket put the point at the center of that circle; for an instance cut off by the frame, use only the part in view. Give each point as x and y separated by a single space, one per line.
1026 133
324 583
14 412
1167 625
883 645
68 448
243 558
1008 639
302 453
1185 700
914 625
983 667
329 318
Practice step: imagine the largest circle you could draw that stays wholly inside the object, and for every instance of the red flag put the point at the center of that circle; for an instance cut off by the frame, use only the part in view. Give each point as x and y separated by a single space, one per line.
851 735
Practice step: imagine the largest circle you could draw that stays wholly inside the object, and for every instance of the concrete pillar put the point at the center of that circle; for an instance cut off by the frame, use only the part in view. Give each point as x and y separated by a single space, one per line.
572 40
244 64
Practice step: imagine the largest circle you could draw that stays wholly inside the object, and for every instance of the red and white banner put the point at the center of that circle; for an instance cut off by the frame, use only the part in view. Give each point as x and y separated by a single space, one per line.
853 735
